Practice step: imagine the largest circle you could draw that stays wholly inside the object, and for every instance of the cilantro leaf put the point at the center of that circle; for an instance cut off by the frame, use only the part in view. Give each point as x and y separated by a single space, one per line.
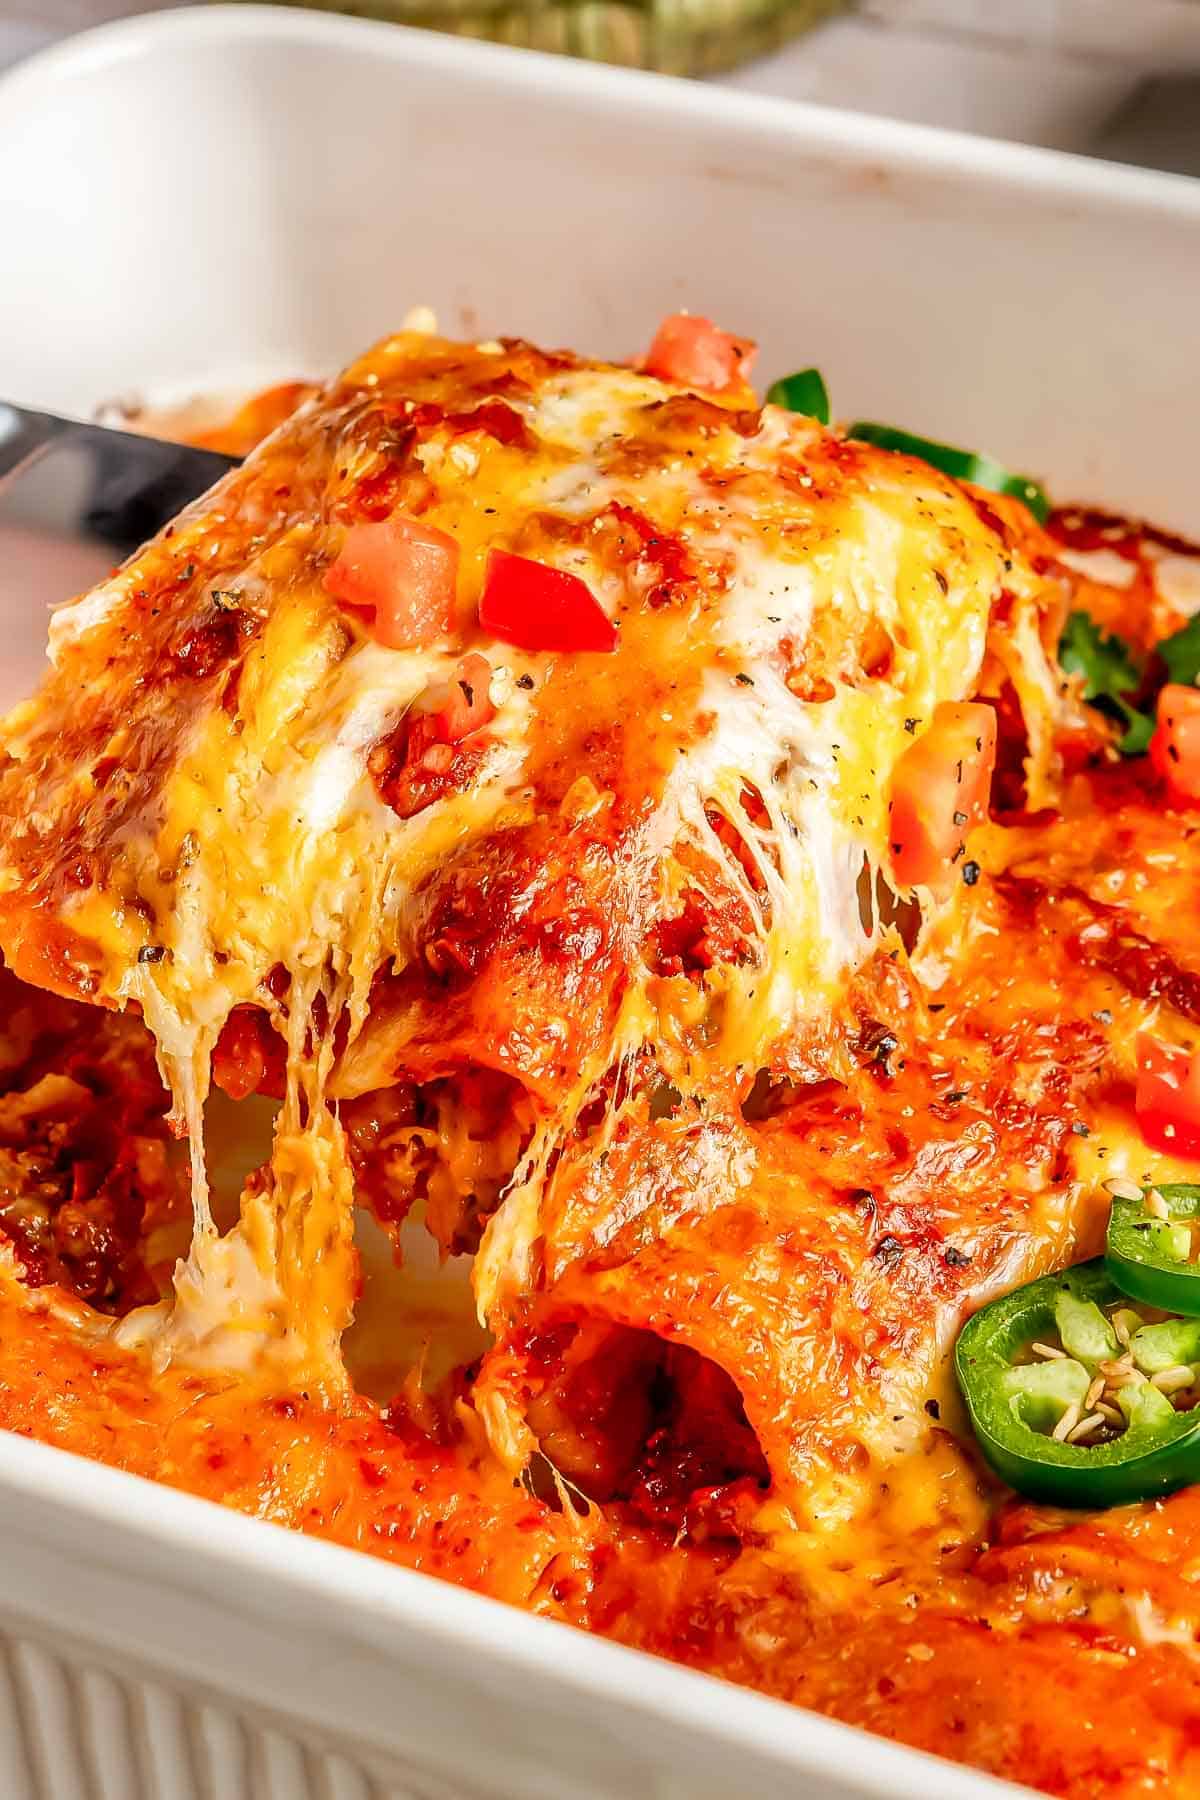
1181 653
1109 674
1101 658
1136 740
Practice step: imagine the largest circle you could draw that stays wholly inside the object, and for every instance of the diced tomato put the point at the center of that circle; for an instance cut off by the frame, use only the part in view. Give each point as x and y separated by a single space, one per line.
1167 1097
406 572
250 1057
467 705
696 353
539 608
1175 746
940 790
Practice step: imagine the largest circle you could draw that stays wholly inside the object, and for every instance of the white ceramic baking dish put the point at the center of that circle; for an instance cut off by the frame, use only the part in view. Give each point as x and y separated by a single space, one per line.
199 200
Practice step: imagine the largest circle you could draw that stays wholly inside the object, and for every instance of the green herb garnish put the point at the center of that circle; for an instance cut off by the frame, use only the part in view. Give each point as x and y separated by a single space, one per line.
1109 674
804 392
1181 653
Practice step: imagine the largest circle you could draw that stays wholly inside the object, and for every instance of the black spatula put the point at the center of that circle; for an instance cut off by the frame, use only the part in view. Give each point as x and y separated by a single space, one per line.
75 499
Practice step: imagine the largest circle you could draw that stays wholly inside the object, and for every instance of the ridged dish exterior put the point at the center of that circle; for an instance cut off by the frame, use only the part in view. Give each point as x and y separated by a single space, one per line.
69 1726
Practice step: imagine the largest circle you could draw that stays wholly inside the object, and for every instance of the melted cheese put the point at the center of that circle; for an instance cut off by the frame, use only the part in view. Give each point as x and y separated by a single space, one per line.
266 847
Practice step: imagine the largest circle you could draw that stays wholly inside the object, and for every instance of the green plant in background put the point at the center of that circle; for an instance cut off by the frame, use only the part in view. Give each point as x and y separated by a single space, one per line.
677 37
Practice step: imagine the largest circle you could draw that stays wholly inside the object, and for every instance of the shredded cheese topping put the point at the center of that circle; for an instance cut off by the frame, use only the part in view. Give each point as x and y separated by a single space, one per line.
791 610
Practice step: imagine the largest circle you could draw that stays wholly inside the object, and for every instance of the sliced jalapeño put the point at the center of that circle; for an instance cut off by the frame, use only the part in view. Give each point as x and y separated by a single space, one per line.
1075 1398
1148 1251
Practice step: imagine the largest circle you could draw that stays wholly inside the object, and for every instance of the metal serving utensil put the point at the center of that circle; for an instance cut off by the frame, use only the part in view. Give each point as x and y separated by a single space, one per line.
75 499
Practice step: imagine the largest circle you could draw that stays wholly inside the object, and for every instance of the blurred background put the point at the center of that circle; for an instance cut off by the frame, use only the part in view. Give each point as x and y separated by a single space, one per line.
1116 78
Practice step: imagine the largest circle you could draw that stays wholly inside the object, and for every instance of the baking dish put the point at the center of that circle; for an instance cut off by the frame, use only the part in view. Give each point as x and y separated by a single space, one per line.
177 222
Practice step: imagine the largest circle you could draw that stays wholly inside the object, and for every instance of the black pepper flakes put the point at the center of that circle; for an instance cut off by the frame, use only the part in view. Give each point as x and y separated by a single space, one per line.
933 1409
525 681
151 953
955 1259
971 873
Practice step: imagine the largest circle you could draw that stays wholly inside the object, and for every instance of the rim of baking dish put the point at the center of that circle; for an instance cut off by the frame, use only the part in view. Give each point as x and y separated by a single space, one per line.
356 1596
832 129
